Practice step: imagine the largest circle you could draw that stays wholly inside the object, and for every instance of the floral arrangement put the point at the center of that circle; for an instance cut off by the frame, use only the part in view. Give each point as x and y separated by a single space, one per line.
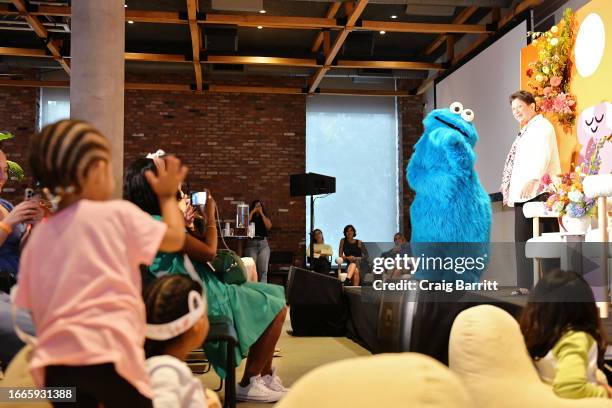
567 194
550 74
15 170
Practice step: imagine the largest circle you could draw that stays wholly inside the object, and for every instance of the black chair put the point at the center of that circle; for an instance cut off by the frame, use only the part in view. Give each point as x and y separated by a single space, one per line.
279 265
221 329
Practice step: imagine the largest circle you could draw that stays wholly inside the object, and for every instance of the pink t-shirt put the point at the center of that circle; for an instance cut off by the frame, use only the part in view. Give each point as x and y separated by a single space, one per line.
80 278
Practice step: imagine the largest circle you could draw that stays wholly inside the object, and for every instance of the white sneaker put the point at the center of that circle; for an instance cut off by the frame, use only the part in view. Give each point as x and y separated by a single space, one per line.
257 391
274 382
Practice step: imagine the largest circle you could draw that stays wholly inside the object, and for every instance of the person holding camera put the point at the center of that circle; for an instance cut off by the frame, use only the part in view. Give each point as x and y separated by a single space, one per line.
257 247
13 225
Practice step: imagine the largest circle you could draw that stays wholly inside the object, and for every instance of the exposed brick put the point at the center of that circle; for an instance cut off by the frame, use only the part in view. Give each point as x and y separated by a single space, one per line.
240 146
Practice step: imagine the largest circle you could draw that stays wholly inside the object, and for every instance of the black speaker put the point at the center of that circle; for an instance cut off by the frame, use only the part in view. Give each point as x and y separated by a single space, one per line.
359 44
220 39
311 184
317 304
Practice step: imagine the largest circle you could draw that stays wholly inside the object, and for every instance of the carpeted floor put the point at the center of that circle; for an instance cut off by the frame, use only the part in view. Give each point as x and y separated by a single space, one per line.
298 356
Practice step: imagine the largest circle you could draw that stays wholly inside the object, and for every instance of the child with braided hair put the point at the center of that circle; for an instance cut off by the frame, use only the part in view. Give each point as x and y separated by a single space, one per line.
79 273
176 324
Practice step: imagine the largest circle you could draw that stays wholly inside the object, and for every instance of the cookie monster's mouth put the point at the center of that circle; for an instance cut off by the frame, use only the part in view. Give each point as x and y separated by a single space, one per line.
452 126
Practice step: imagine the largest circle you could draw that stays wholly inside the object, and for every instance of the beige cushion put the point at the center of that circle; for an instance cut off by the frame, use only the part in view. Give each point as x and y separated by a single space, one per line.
381 381
598 185
547 245
18 375
488 353
538 209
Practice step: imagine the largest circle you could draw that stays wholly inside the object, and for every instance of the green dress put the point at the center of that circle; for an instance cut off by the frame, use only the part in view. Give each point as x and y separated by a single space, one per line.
251 306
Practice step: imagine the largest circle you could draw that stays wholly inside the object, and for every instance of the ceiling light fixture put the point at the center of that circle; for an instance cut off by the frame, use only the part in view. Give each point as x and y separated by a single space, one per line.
125 5
394 16
262 11
382 32
259 27
130 22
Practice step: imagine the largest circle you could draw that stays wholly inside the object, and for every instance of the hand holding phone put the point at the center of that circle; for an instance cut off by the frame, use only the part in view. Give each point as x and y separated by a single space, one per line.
198 198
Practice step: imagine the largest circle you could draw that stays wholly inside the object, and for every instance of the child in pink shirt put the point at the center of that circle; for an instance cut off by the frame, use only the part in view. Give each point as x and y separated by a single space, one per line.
79 273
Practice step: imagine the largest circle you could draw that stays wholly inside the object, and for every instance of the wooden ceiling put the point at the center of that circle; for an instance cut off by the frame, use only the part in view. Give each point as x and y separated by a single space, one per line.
318 45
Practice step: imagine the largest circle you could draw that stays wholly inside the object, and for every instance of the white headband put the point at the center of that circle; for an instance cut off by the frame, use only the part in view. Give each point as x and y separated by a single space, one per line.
197 309
158 158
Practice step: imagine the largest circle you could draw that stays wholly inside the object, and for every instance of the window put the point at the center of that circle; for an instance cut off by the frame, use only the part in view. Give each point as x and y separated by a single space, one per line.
355 140
54 105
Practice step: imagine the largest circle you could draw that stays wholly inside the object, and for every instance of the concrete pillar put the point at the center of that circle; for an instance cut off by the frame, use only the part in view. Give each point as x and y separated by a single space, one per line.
97 71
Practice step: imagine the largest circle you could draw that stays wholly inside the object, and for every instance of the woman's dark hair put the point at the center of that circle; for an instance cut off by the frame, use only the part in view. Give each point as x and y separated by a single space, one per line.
63 152
136 188
166 300
347 228
523 96
315 233
254 203
561 301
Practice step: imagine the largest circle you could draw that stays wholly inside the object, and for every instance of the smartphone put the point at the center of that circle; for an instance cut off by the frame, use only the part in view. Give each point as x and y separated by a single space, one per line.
29 194
198 198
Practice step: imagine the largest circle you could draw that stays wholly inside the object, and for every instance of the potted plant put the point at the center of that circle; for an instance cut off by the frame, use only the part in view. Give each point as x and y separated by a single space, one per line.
568 200
15 170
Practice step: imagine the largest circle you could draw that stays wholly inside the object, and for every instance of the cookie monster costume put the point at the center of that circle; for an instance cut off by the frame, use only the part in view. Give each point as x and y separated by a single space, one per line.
450 205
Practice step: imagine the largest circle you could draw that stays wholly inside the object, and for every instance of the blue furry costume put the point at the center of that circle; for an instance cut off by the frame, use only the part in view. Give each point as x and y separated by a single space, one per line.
450 204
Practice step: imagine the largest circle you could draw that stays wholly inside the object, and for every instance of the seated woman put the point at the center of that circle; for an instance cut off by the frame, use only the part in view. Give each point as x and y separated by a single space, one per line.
257 310
13 222
322 252
352 251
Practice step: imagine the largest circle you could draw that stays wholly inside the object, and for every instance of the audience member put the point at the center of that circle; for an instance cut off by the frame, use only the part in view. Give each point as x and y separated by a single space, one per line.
351 250
321 253
565 336
257 247
256 309
398 240
176 324
79 274
13 226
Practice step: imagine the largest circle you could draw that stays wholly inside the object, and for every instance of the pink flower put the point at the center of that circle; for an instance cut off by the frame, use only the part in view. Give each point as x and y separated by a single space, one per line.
546 179
555 81
546 105
547 90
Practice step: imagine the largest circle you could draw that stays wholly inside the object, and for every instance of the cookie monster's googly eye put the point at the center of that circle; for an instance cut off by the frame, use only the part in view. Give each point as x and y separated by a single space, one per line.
468 115
456 108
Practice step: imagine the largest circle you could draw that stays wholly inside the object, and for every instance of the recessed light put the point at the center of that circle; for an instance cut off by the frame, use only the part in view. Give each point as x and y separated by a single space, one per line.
262 11
259 27
394 16
382 32
130 22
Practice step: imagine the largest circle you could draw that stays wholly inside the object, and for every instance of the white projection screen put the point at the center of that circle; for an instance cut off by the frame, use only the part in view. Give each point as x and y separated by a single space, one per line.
483 84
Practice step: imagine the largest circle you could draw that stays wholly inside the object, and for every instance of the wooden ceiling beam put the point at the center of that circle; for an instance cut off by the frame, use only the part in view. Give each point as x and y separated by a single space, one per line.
24 52
245 60
331 13
290 62
52 45
399 27
194 29
316 79
413 65
518 9
308 23
461 18
160 87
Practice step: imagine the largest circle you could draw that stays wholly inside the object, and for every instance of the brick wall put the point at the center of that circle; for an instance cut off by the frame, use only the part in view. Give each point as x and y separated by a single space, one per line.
19 116
410 117
240 146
